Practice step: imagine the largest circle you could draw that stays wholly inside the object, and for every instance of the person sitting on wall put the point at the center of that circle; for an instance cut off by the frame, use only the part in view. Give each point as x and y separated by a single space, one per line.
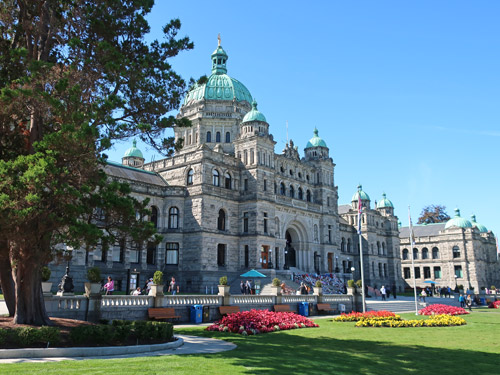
109 287
137 292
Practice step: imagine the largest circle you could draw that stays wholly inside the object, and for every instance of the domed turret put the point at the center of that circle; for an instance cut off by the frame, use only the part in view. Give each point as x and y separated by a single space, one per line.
316 148
365 199
219 86
481 228
316 141
254 114
458 221
133 156
384 202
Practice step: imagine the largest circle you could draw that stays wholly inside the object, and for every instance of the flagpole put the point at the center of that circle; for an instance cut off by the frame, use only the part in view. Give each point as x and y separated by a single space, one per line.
412 243
360 208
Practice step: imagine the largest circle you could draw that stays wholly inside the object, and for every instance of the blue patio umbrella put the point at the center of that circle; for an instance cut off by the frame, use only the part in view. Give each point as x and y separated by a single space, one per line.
253 273
429 282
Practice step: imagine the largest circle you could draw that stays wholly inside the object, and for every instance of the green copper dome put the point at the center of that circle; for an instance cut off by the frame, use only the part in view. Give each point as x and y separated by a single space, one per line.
133 151
219 85
480 227
254 114
316 141
384 202
360 192
458 221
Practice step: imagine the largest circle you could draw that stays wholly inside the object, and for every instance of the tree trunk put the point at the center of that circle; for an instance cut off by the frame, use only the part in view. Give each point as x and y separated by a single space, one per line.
30 304
6 280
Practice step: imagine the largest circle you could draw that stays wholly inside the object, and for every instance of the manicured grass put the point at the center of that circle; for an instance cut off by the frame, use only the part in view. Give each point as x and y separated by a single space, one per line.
334 348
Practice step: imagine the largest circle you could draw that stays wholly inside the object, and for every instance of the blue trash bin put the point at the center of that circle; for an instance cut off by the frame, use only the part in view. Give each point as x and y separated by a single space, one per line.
483 301
304 308
196 315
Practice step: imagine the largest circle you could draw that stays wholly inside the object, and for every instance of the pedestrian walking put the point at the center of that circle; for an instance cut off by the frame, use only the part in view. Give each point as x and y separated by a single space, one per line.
383 292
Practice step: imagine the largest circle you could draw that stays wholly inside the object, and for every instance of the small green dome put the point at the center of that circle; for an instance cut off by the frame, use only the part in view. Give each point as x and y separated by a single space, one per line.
458 221
316 141
219 85
133 151
361 193
480 227
254 114
384 202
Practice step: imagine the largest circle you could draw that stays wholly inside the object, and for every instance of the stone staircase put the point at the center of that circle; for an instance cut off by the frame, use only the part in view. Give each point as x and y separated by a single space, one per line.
393 305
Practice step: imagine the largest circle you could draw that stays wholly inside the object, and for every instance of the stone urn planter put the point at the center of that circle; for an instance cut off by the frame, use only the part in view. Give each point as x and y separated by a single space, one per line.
92 289
275 290
46 288
224 290
317 291
157 290
351 291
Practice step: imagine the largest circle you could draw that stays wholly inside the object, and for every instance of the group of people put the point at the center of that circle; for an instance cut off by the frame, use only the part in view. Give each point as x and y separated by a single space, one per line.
331 284
384 292
247 287
109 287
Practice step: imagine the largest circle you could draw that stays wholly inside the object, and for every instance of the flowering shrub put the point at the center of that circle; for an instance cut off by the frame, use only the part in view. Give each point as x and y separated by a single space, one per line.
254 322
439 309
494 305
443 320
355 316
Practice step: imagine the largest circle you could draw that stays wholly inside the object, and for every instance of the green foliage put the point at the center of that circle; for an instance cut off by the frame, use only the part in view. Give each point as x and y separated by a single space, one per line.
433 214
94 275
28 336
493 287
158 278
350 283
3 335
276 282
46 272
358 283
460 287
223 280
318 284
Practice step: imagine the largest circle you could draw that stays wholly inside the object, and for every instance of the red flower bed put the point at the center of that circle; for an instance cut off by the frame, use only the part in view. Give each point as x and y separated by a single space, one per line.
254 322
494 305
438 309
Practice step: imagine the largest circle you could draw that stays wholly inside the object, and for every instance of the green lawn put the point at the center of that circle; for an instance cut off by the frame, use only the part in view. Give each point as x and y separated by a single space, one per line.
333 348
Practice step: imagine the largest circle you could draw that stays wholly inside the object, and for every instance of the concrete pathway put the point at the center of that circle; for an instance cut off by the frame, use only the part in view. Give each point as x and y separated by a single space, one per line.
192 345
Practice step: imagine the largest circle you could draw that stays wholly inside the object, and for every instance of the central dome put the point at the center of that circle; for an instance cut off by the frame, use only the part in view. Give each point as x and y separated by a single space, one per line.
219 86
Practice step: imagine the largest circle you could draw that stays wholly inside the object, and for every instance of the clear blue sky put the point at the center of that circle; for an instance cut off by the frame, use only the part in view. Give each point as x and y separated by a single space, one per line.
405 94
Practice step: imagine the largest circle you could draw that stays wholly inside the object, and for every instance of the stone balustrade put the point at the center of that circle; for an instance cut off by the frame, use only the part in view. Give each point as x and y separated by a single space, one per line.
128 301
252 299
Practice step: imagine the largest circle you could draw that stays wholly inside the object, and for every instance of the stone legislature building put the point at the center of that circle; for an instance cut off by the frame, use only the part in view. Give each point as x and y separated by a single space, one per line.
458 252
227 202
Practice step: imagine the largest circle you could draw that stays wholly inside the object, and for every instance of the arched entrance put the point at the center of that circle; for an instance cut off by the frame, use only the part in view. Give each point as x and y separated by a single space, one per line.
290 258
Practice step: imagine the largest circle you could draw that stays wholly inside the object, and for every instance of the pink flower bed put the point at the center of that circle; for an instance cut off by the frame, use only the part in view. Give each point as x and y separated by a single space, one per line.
494 305
438 309
254 322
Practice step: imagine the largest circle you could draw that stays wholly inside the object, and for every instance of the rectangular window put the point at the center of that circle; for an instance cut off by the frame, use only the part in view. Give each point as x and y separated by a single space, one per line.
380 270
265 185
265 222
151 253
385 270
417 273
172 253
119 251
407 274
134 255
458 271
437 272
245 184
245 222
221 255
456 252
427 272
329 234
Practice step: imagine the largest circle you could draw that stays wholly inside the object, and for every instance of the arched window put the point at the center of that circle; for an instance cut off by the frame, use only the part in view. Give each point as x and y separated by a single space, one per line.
282 189
190 177
292 192
378 248
342 245
209 137
300 193
415 253
154 216
435 253
217 137
425 253
405 254
348 245
227 181
383 248
173 218
456 252
215 177
221 220
228 137
308 195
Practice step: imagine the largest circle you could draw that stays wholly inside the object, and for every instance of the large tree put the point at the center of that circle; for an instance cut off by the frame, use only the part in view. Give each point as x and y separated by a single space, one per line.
75 76
433 214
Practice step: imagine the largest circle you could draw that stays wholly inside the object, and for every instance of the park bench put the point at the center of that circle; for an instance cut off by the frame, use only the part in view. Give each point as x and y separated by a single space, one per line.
224 310
162 313
325 307
282 308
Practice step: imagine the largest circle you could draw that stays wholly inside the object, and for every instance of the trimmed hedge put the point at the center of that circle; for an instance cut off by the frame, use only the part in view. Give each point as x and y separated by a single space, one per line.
29 336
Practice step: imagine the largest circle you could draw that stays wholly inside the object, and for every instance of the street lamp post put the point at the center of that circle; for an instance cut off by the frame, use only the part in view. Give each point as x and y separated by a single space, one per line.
352 273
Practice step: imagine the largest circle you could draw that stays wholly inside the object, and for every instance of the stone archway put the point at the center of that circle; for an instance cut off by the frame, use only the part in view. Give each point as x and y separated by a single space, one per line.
290 253
296 254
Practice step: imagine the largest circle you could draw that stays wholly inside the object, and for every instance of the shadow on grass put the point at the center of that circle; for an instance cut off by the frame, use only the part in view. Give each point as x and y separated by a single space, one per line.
287 353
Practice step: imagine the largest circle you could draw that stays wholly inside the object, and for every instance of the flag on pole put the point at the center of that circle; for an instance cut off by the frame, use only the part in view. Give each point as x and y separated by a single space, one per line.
412 237
359 212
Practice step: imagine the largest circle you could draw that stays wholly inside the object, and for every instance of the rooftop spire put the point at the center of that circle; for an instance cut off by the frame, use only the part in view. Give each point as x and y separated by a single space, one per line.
218 40
219 58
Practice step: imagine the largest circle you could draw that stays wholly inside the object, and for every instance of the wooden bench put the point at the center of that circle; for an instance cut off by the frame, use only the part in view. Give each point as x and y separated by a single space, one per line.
325 307
282 308
224 310
162 313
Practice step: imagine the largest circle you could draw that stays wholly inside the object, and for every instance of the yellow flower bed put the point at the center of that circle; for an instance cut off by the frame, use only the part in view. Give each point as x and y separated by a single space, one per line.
352 318
436 321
